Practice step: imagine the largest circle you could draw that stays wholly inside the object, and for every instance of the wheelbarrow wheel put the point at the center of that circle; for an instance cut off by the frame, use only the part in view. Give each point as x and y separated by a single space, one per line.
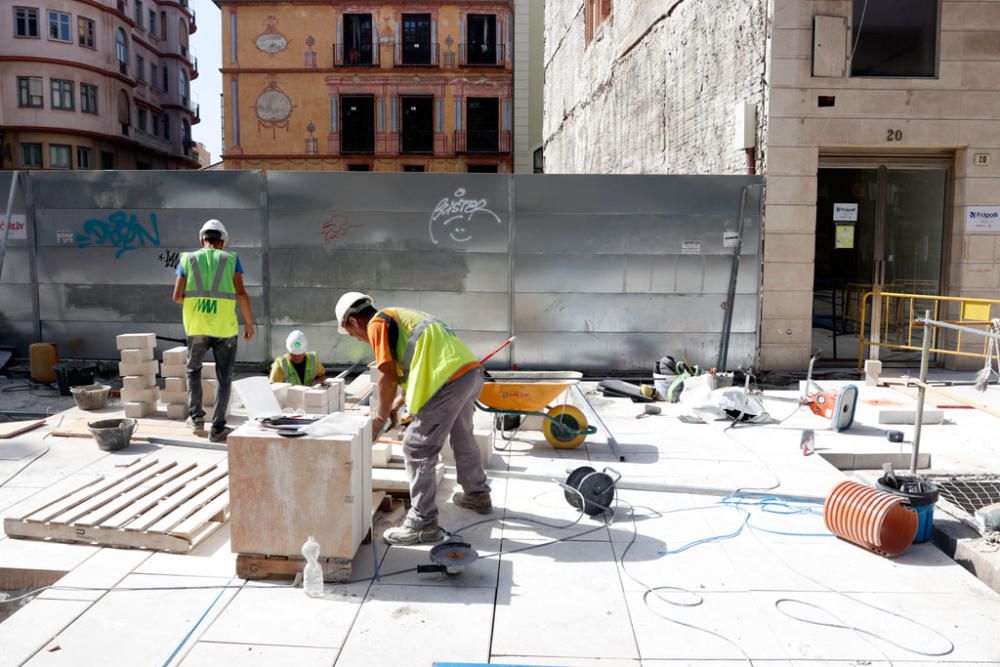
564 432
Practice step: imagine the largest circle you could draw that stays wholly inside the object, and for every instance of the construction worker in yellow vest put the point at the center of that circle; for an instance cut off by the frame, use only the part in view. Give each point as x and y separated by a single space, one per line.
299 366
209 285
440 380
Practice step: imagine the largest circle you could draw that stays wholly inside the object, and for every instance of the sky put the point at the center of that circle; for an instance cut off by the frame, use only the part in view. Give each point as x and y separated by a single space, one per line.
206 89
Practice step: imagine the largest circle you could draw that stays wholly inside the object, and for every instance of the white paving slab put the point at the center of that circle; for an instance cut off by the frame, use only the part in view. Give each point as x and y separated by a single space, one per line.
104 569
216 654
39 555
561 662
733 615
283 616
30 628
418 625
131 628
211 558
547 596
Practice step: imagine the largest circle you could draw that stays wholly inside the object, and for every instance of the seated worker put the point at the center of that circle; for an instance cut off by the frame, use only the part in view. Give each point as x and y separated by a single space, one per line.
299 366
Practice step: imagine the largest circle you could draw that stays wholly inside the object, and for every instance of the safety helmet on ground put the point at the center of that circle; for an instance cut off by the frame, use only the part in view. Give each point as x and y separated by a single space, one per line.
297 343
349 304
214 225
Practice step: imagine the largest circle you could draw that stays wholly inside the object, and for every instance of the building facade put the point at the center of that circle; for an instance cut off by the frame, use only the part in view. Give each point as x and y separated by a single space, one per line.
368 86
97 84
877 131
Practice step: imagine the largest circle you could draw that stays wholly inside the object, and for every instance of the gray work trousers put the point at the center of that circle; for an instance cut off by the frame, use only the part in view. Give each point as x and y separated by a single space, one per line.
449 412
224 351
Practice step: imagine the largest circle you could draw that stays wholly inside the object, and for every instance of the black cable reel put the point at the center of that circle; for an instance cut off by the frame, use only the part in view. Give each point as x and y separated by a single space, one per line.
590 491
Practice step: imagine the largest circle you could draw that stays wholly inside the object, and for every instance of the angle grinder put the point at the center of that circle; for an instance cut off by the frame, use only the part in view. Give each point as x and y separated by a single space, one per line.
451 558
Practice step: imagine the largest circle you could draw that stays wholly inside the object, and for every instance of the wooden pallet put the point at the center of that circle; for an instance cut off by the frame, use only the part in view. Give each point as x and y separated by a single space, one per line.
335 570
160 505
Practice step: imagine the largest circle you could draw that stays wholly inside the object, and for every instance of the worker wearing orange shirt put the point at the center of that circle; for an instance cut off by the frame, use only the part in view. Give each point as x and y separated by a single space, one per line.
441 380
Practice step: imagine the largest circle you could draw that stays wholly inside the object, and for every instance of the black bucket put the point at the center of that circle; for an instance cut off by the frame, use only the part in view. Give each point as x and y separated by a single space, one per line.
920 495
73 374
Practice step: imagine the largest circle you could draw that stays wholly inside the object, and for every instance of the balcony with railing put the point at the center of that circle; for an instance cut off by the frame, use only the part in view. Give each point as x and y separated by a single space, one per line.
481 55
356 55
483 142
416 54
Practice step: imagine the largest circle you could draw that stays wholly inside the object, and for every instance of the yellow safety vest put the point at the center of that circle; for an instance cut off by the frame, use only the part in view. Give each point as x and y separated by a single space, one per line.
210 293
426 351
291 375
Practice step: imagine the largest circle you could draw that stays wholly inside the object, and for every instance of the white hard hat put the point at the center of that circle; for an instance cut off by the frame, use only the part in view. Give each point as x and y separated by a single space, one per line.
297 343
214 226
349 304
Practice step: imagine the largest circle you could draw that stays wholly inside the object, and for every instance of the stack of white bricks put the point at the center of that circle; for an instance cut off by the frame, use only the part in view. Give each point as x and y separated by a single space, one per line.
175 393
318 400
209 385
138 370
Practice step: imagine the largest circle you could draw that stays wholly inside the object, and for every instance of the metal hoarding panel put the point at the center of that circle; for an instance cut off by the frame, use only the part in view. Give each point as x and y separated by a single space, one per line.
159 190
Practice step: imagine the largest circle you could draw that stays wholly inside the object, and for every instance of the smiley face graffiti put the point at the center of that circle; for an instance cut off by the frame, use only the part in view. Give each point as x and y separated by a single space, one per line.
456 218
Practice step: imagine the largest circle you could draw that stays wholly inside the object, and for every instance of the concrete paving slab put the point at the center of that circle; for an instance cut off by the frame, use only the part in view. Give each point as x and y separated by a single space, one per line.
211 558
575 584
735 616
561 662
706 568
136 627
105 568
304 621
959 617
418 625
214 654
30 629
38 555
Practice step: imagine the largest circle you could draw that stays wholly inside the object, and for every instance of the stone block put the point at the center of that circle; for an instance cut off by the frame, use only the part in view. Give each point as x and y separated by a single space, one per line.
335 394
208 369
296 396
141 368
137 410
873 369
177 411
137 356
280 390
174 397
175 355
173 370
150 395
135 341
138 382
910 416
175 385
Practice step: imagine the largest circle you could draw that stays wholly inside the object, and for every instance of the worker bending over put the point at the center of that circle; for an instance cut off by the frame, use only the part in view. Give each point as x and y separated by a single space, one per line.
209 285
299 366
441 381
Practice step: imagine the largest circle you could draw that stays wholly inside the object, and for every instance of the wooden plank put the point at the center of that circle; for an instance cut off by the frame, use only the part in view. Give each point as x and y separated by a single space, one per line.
195 523
113 537
902 387
258 566
136 509
146 428
165 508
85 494
124 486
190 506
10 429
99 514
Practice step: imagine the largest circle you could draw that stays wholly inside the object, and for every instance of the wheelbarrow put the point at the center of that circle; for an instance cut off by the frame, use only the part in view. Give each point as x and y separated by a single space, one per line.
529 394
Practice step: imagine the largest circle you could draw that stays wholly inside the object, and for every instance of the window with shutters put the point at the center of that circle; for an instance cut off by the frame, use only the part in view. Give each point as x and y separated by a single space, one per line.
31 155
82 157
29 91
595 13
124 112
121 51
60 156
88 98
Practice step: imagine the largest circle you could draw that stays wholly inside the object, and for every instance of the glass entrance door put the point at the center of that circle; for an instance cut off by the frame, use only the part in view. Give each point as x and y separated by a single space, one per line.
879 229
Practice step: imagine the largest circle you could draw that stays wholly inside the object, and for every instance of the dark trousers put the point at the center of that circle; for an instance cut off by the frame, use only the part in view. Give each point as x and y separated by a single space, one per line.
224 351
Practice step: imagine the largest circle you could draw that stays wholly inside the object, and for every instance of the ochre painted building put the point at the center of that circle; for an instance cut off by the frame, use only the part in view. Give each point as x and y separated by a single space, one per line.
405 86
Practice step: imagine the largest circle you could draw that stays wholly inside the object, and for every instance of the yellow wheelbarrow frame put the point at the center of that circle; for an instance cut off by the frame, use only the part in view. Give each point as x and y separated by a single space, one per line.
529 393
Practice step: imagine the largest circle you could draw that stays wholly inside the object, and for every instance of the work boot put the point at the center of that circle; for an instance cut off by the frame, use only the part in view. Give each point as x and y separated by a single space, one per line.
477 502
411 533
196 425
219 435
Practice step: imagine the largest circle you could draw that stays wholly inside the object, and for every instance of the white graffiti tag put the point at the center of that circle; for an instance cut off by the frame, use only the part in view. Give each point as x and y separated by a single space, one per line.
454 217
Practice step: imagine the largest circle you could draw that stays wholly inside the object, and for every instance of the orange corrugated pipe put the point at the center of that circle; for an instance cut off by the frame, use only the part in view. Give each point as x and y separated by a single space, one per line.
872 519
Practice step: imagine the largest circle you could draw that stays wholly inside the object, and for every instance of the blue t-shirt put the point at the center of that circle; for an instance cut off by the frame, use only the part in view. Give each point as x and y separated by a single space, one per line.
180 267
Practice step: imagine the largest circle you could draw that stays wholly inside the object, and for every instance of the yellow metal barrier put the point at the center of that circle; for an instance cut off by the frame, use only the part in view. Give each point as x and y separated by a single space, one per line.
900 311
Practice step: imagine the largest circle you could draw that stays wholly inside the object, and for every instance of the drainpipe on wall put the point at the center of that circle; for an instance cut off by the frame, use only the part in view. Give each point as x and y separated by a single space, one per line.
751 154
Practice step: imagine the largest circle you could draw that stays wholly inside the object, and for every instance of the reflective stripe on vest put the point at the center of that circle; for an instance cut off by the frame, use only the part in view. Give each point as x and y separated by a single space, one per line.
411 342
210 293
